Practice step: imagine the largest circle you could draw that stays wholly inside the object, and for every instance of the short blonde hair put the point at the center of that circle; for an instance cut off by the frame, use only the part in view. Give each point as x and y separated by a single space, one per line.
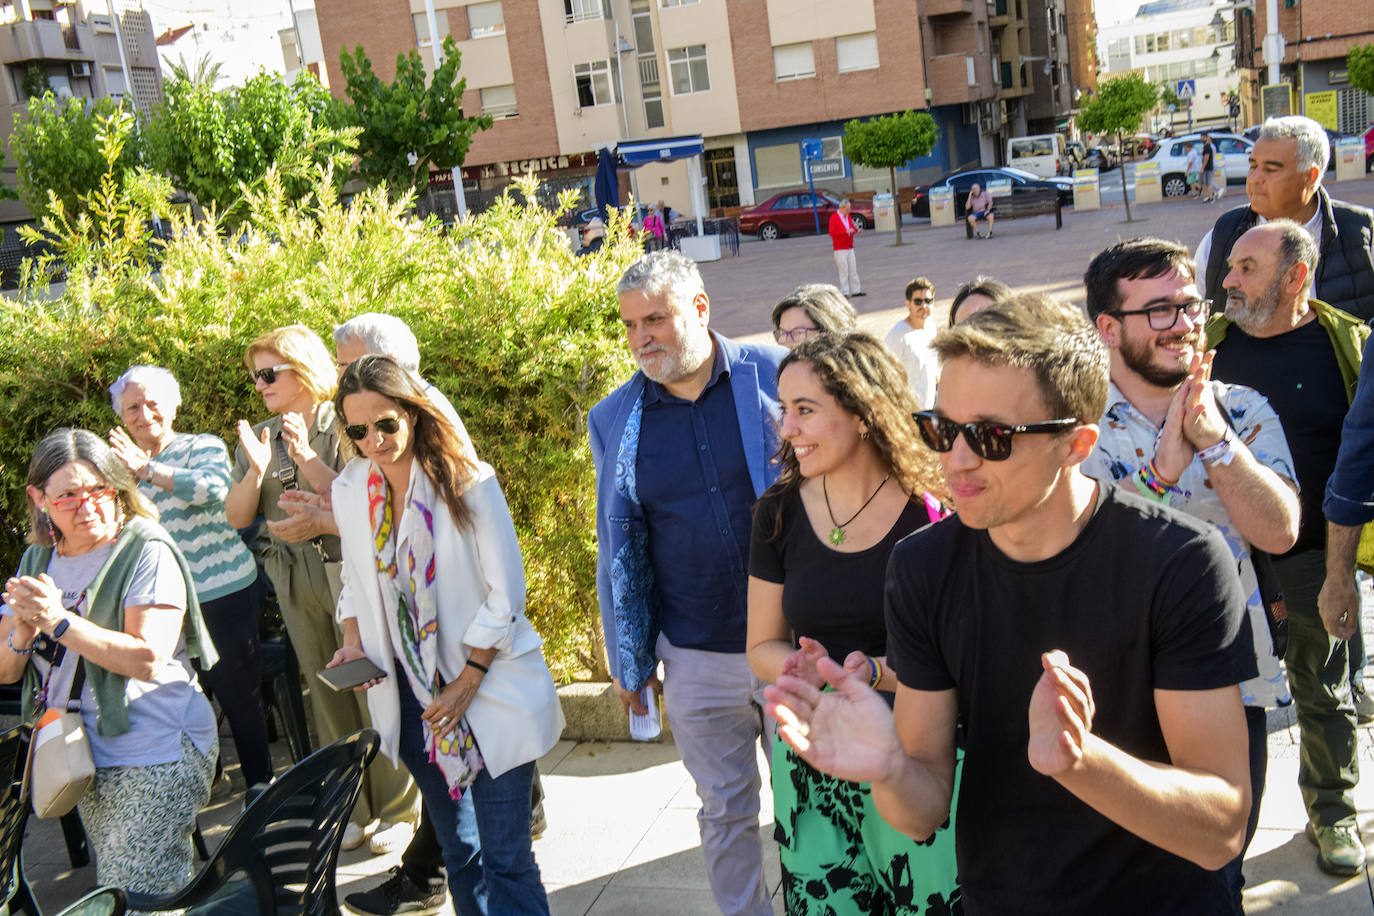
307 355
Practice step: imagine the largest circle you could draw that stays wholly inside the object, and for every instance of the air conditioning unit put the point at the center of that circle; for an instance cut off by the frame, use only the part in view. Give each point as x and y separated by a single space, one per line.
80 68
987 124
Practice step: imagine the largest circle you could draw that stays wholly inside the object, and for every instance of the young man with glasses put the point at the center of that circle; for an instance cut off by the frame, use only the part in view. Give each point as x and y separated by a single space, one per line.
910 339
1304 356
1214 451
1081 643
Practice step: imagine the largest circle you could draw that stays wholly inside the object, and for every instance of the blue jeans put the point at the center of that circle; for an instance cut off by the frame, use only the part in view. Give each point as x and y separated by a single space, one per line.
485 836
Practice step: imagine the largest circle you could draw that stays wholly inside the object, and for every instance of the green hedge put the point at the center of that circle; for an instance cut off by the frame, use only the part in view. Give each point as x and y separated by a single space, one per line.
520 334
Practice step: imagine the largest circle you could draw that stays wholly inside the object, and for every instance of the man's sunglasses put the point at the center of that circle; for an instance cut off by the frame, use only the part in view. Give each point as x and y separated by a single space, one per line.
921 301
795 336
989 440
268 374
1164 317
387 426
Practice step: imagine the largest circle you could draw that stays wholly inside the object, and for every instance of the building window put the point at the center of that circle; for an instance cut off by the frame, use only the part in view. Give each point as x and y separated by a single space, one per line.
594 84
586 10
687 66
499 102
422 28
793 62
777 166
667 3
856 52
116 85
485 19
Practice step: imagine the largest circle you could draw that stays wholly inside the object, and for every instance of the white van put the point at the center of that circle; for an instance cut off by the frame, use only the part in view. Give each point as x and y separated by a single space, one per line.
1040 154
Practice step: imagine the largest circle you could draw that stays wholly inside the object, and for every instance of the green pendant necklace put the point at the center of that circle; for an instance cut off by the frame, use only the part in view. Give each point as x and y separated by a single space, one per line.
837 532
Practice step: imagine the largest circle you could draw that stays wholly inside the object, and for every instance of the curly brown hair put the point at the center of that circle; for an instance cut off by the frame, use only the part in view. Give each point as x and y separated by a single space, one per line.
437 443
867 381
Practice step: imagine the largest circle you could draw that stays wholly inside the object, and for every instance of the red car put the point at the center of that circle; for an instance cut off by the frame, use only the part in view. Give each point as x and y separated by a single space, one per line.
790 212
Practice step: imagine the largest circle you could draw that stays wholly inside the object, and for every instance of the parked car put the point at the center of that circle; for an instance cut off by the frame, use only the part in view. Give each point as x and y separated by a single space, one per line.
1332 138
1172 158
1021 182
1369 149
1100 159
789 212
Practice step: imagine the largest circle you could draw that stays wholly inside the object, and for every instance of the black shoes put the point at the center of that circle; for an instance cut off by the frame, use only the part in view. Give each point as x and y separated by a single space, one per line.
398 894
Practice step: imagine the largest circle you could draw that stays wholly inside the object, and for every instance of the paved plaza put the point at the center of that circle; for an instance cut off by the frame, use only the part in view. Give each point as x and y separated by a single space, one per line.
622 835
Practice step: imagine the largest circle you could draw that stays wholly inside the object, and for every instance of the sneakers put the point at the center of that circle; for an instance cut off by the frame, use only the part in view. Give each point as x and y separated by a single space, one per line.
391 838
1364 705
355 836
1339 850
398 894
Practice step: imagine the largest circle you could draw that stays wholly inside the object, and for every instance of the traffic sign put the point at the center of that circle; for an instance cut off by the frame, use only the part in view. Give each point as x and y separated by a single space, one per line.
811 149
1187 89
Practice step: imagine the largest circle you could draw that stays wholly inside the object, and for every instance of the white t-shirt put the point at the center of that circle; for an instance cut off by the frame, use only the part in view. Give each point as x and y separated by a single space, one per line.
160 709
912 349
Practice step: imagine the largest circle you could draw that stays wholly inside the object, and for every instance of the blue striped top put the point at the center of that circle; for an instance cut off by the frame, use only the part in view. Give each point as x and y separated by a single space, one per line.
193 514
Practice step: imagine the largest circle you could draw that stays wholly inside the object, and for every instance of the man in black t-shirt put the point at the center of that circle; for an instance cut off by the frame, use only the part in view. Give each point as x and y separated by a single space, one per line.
1083 645
1304 357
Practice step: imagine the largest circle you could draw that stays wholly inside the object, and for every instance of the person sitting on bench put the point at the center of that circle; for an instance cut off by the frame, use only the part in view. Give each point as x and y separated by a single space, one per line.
979 206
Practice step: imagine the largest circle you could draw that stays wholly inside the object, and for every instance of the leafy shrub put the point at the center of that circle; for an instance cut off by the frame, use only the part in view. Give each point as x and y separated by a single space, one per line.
523 337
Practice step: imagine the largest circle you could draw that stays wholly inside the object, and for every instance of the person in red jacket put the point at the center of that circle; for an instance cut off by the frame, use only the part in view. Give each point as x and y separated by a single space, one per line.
842 232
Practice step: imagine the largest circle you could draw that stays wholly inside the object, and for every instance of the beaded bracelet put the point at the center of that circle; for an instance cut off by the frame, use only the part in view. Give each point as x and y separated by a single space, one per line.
1154 485
15 649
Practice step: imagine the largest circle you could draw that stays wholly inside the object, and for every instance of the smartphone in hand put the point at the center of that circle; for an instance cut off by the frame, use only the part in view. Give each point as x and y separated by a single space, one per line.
350 674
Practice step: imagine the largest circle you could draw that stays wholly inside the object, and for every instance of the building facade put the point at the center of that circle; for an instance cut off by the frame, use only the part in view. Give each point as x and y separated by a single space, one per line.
1317 35
1178 44
74 51
565 78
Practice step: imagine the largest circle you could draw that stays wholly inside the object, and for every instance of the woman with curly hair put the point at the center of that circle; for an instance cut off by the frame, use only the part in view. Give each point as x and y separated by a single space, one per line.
812 308
855 480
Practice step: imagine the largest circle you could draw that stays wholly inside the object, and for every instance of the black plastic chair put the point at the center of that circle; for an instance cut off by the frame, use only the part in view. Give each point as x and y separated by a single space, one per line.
14 814
280 856
281 692
106 901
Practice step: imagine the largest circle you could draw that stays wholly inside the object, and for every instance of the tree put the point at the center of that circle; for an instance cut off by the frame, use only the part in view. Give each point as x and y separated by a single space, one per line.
412 116
1359 60
215 143
58 154
890 141
1117 109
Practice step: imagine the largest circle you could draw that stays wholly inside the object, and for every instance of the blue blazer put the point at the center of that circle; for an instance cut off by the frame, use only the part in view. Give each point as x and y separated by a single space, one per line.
624 579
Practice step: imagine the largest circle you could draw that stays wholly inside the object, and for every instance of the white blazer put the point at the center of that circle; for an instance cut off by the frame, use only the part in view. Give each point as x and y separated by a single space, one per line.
515 716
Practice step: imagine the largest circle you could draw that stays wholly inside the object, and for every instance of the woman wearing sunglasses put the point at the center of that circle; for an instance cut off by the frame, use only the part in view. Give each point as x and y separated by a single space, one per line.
103 611
435 597
854 481
812 308
186 476
298 448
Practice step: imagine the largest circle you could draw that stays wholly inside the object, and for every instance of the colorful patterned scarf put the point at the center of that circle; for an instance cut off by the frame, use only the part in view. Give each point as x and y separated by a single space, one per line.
416 612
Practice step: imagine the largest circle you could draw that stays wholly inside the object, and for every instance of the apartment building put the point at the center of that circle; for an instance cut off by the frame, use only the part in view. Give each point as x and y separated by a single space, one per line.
564 78
76 50
1171 41
1317 34
1082 42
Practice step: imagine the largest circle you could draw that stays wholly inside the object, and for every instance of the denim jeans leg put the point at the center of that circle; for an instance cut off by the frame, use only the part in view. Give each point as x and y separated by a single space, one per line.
455 823
503 820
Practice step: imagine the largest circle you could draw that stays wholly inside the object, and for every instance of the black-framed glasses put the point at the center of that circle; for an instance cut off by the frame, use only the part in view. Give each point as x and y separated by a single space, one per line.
794 336
387 426
988 439
1164 317
268 374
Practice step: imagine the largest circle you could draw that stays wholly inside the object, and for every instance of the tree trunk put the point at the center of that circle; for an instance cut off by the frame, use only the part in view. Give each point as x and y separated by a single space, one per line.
896 201
1125 198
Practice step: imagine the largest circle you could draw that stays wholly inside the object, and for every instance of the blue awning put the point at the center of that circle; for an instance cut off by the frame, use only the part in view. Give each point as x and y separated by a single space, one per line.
665 149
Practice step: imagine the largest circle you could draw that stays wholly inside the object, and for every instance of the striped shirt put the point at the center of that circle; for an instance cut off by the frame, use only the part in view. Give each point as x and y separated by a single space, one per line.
193 514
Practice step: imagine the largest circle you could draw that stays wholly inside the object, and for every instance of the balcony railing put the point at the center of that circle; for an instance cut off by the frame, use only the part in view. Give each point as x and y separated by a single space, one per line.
648 70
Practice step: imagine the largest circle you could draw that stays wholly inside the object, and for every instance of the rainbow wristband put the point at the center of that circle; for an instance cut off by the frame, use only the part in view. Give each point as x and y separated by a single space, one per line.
875 668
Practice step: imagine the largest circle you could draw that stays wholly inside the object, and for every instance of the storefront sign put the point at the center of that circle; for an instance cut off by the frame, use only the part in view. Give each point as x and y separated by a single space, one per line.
1321 107
516 167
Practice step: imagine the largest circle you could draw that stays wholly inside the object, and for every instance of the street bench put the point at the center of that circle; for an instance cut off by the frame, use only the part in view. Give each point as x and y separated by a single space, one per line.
1034 202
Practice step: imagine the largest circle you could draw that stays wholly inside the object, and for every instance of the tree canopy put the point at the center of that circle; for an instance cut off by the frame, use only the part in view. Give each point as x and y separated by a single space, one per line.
1359 60
1117 108
57 151
413 115
891 141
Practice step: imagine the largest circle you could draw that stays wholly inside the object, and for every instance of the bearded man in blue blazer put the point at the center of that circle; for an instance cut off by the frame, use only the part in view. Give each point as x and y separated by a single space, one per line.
682 451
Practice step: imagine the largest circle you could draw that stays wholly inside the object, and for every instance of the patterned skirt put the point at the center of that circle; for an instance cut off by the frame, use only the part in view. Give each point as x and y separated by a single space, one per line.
839 856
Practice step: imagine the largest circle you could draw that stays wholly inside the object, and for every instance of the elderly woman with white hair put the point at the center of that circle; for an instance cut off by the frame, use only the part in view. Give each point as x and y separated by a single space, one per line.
187 476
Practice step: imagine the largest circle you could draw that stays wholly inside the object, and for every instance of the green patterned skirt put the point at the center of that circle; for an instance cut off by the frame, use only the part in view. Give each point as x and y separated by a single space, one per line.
839 856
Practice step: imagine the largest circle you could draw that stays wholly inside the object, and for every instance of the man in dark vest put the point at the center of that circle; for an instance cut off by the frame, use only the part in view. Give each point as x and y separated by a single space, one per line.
1284 182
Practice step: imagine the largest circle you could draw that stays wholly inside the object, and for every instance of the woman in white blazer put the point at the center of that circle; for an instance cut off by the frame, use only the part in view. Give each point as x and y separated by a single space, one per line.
434 595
